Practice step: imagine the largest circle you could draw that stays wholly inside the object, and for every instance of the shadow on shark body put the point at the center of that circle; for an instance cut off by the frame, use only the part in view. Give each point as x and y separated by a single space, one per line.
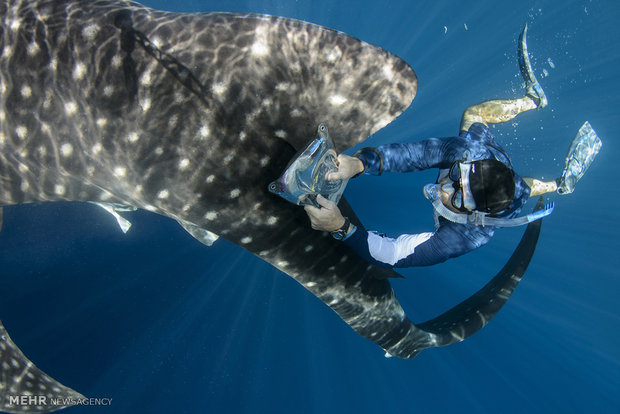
191 116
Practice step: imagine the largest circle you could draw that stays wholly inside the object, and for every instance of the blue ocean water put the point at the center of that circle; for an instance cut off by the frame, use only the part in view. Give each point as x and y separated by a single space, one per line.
161 323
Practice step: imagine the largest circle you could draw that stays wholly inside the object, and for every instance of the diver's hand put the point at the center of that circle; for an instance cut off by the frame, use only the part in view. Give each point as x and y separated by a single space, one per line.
347 168
326 218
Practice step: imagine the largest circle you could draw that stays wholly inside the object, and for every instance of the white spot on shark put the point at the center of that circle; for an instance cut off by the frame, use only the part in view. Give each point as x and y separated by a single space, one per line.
260 46
183 164
159 151
66 149
89 32
272 220
117 61
235 193
14 24
146 104
219 89
337 100
120 171
204 131
145 79
163 194
280 133
388 71
246 240
283 86
101 122
173 120
333 55
71 108
33 49
211 215
96 149
26 91
60 189
79 71
21 131
308 248
228 158
108 91
133 137
264 161
210 179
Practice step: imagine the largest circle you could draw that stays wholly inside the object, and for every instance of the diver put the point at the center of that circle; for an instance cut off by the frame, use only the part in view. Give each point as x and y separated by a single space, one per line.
477 189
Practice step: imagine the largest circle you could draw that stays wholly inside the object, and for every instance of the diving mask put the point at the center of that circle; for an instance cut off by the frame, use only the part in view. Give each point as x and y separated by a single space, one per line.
478 218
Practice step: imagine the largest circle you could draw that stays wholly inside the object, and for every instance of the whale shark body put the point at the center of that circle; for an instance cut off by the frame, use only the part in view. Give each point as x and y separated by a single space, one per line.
191 116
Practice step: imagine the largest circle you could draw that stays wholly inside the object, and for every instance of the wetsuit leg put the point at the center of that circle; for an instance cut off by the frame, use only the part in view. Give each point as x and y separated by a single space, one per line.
496 111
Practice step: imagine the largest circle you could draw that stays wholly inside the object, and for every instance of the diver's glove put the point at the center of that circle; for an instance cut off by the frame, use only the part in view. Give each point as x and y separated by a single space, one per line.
581 153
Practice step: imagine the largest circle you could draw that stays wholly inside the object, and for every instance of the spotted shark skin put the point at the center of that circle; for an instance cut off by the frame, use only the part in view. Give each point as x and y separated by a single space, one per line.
191 116
31 382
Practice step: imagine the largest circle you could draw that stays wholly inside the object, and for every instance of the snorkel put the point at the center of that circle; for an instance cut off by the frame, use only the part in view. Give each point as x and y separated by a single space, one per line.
478 218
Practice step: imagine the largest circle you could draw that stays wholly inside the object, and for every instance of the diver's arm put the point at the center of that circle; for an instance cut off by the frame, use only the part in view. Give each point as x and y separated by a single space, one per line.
409 157
538 187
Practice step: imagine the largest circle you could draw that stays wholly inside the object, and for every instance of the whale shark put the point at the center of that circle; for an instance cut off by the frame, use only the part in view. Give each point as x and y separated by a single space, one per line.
191 116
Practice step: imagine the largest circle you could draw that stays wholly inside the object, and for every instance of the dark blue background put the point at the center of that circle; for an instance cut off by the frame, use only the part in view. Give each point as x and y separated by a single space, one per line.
161 323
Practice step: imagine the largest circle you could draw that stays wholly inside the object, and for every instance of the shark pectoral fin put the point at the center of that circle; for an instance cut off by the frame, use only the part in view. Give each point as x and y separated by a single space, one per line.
24 387
203 236
474 313
114 210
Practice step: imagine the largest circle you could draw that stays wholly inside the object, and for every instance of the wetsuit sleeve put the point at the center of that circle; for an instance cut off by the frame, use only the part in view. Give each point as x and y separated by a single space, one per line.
414 156
424 249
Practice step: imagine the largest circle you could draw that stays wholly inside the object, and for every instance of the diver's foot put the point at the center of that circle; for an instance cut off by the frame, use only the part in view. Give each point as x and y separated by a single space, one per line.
533 89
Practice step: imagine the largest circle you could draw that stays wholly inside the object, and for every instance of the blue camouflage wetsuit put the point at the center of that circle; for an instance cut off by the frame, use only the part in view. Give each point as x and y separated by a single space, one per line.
449 239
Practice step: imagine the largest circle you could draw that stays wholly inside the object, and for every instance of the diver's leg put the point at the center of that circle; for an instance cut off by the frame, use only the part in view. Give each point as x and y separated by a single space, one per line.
538 187
493 112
